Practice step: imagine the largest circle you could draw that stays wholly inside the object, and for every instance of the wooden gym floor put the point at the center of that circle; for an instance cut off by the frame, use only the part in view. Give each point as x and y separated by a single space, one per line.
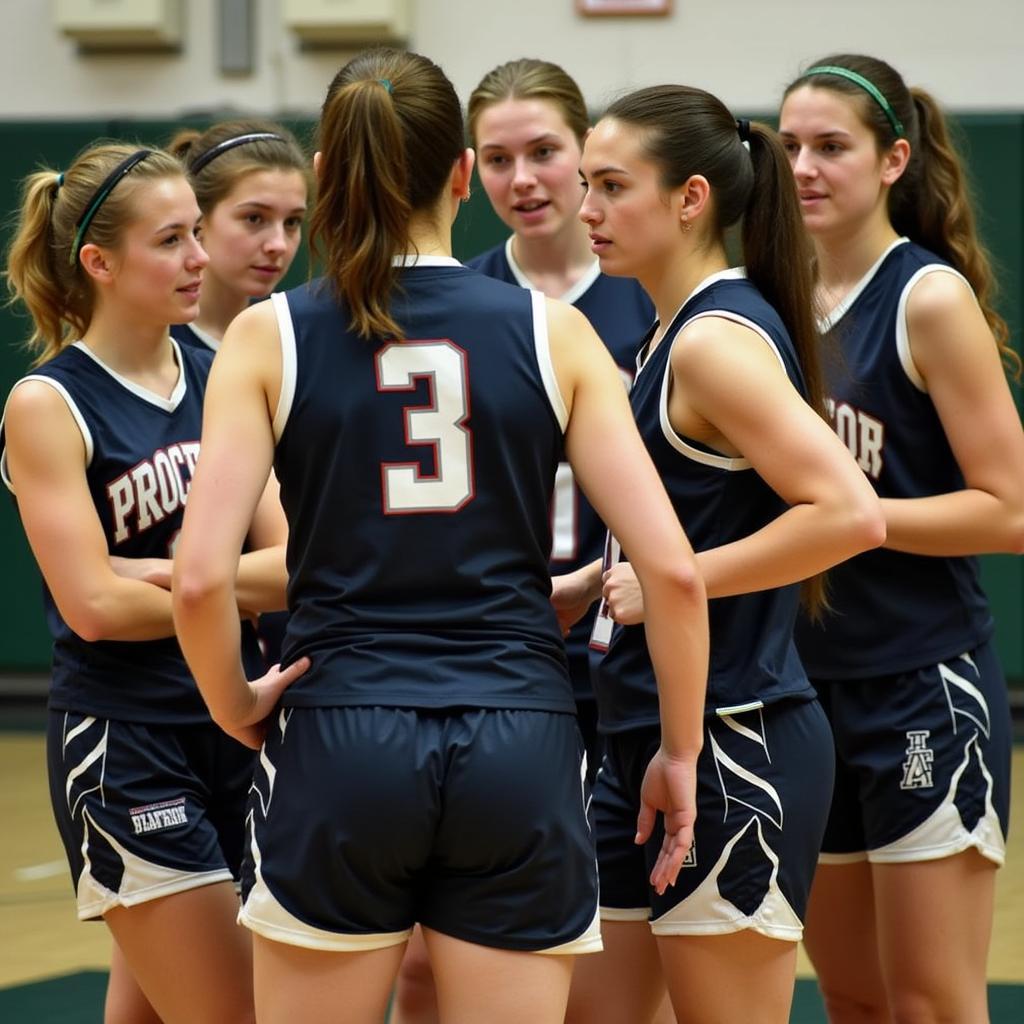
40 937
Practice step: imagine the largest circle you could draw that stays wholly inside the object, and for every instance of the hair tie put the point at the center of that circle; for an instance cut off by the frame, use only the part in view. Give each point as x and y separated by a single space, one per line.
386 82
58 180
868 86
107 186
743 129
222 147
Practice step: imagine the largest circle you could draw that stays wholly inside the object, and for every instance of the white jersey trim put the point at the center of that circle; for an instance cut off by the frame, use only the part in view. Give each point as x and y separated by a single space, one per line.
572 295
167 404
903 331
731 274
76 415
212 343
415 259
543 348
731 465
289 362
827 322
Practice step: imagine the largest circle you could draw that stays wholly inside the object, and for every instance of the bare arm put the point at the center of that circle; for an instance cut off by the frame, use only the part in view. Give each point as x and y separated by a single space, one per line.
225 493
46 463
611 464
726 380
953 350
729 389
262 576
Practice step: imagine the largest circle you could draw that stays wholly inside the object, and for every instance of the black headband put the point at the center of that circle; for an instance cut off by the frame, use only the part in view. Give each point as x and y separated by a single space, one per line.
222 147
107 186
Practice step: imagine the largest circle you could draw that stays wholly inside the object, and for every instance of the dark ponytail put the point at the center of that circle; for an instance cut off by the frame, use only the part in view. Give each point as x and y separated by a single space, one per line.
778 254
390 132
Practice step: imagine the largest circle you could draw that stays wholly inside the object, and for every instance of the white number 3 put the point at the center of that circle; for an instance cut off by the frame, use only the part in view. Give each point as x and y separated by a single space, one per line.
407 489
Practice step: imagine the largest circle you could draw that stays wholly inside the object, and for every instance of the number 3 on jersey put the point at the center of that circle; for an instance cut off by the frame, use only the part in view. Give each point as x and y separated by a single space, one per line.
406 489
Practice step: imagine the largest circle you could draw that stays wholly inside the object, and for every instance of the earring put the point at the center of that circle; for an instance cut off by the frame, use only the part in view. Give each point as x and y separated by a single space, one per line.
467 196
686 224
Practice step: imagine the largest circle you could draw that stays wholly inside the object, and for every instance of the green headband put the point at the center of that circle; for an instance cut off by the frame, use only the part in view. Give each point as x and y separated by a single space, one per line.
868 86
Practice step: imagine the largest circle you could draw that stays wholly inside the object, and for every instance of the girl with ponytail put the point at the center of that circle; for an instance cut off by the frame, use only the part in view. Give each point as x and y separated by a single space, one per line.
903 660
427 768
728 400
251 180
98 444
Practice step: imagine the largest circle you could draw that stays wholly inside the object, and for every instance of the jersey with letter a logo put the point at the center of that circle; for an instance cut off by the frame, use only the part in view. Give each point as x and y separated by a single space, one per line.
417 478
140 451
892 611
718 500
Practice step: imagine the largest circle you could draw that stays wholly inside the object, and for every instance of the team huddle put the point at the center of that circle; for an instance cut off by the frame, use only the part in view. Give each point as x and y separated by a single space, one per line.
451 659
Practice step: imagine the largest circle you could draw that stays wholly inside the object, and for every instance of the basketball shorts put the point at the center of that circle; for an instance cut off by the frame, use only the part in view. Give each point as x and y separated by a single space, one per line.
366 820
922 762
145 811
764 781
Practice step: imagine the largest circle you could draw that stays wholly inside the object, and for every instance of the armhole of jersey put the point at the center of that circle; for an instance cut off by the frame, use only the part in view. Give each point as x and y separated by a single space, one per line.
902 331
680 444
289 362
72 408
546 367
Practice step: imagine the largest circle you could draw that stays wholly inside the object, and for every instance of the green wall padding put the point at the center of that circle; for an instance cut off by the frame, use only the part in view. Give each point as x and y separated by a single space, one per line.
992 143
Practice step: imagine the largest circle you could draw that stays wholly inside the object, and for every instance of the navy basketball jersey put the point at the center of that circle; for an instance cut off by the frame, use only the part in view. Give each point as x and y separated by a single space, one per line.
141 450
416 476
621 313
753 660
189 334
892 611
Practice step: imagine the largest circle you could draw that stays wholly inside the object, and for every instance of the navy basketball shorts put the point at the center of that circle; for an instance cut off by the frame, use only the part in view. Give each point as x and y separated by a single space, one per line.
764 782
922 762
470 821
145 811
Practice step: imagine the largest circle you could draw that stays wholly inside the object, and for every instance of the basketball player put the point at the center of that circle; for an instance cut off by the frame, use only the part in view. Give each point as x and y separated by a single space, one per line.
901 912
527 120
99 444
428 767
726 399
251 180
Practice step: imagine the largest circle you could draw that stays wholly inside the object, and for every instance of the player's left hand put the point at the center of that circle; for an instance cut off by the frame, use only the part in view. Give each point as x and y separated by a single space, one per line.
249 726
621 592
669 786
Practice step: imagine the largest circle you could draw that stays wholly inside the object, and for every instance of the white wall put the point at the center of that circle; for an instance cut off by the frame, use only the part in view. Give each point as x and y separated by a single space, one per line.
969 52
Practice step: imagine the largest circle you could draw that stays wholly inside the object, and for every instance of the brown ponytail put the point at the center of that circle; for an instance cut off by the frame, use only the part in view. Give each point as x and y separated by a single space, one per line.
41 271
931 202
390 132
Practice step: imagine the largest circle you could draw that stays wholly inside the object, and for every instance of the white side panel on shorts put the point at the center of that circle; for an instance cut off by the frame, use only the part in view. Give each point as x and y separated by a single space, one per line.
263 914
142 879
706 912
943 834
